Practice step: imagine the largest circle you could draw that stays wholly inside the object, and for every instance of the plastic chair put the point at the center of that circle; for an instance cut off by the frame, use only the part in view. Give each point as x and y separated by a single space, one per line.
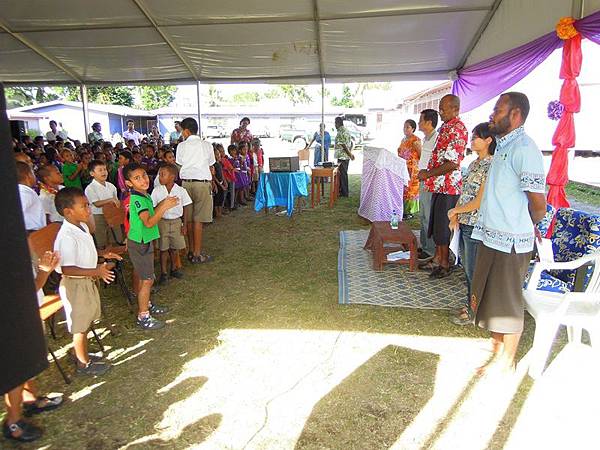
575 310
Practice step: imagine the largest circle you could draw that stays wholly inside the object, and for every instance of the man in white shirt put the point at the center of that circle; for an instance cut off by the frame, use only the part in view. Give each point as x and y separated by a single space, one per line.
33 210
131 133
428 120
54 133
196 158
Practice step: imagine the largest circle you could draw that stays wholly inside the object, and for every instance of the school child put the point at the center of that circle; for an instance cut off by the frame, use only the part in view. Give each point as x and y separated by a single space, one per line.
220 185
125 157
33 209
229 176
71 171
50 183
240 177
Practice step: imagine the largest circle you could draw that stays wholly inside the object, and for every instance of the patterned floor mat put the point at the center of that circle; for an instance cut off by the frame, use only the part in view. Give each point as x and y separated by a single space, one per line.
395 285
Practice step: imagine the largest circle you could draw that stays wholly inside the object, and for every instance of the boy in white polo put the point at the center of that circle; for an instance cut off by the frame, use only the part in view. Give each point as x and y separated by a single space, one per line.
79 268
33 209
100 193
172 229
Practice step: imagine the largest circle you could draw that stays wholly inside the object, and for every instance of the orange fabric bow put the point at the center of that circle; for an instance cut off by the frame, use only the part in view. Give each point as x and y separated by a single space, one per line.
565 28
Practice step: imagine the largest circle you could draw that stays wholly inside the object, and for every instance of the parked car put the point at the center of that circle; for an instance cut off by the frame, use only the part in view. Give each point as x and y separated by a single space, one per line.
214 131
292 134
260 131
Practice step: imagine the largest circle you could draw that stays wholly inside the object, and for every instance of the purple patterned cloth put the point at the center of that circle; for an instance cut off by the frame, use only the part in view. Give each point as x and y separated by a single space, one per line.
485 80
384 176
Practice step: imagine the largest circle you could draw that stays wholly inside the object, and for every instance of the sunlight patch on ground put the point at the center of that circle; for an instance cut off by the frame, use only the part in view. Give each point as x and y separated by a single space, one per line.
265 383
563 407
85 391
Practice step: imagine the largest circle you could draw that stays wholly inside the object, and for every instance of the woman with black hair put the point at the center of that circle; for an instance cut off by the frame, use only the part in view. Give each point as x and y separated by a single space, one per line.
464 215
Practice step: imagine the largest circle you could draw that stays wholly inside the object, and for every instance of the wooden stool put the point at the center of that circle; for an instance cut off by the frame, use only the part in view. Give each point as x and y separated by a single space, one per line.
319 174
381 233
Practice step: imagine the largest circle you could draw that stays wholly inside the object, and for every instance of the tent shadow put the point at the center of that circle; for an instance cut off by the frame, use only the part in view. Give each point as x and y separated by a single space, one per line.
358 411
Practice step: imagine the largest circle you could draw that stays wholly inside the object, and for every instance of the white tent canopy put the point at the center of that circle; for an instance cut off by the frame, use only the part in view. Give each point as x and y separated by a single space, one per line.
136 41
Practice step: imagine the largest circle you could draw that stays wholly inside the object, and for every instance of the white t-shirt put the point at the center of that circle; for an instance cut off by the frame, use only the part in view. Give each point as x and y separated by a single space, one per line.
427 147
47 200
33 210
195 157
160 193
137 137
75 246
96 192
50 136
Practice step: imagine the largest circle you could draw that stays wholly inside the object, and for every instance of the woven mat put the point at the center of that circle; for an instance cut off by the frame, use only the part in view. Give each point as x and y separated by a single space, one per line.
395 285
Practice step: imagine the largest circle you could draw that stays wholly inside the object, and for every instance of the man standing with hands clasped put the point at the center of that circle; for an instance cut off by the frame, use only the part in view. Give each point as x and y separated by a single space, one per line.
343 143
513 201
443 179
196 158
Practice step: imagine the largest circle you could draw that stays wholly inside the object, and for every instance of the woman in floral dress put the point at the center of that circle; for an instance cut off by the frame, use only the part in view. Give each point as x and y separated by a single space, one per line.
410 150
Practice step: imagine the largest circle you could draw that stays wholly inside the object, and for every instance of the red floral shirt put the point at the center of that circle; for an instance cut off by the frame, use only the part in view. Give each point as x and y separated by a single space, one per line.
239 135
450 146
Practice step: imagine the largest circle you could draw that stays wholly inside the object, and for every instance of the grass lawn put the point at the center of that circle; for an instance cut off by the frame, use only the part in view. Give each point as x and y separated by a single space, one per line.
583 193
269 273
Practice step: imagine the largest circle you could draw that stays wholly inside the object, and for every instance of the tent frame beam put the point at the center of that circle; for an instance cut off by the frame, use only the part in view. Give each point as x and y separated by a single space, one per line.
298 79
30 45
266 20
175 49
479 33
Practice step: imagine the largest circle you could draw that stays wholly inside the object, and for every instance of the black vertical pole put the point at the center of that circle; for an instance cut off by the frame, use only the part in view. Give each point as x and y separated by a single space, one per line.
22 343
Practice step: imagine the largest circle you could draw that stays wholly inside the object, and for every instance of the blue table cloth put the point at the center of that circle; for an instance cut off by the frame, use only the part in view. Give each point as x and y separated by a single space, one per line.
280 189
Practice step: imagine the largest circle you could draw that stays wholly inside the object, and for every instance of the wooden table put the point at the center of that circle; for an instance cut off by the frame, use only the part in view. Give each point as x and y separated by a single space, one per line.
381 233
319 174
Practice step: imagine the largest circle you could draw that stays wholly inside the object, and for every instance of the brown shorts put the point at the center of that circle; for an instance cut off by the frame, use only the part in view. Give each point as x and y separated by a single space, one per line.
142 258
81 301
170 235
202 201
498 289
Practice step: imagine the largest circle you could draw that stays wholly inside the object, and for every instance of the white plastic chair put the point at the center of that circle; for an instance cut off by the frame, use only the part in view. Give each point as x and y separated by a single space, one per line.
575 310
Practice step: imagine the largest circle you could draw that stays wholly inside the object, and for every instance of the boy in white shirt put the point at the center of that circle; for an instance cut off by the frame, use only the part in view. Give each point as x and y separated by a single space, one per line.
33 210
50 183
79 268
172 229
101 192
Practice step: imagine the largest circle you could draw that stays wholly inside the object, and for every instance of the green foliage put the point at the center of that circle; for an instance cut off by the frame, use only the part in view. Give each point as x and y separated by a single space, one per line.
24 96
347 99
153 97
246 97
70 93
273 93
214 96
32 133
295 94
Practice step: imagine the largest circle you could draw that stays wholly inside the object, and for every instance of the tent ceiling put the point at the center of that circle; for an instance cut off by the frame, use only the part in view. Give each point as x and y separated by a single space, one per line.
135 41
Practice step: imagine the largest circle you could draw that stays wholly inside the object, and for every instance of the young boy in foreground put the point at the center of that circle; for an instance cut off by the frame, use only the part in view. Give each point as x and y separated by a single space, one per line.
172 229
79 268
143 229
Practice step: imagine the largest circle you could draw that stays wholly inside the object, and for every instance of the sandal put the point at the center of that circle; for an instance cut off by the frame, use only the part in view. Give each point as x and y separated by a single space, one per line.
31 408
201 259
462 317
28 431
442 273
428 265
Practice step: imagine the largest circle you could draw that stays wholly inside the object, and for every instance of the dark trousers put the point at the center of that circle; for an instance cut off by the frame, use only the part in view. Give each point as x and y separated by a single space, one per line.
343 174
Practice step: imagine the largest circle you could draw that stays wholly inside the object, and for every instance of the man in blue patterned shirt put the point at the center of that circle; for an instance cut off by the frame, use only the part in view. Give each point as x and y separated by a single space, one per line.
513 201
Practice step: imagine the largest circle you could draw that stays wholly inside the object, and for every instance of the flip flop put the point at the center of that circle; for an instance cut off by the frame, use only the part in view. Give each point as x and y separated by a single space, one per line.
202 259
29 409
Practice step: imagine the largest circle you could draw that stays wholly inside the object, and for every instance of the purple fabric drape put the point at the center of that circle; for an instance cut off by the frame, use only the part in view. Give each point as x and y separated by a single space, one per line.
485 80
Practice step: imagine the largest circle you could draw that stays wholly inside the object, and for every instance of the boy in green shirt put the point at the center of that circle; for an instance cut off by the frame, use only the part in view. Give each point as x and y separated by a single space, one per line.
71 171
143 229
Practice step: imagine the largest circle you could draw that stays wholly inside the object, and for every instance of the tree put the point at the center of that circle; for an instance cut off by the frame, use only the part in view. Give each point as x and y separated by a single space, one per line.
108 95
154 97
295 94
24 96
346 100
246 97
214 96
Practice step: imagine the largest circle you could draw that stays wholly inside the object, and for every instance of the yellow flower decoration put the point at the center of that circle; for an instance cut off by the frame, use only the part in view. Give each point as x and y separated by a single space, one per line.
565 28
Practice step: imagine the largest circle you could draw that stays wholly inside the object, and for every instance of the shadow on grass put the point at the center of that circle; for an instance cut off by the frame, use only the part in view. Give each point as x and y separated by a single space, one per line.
373 406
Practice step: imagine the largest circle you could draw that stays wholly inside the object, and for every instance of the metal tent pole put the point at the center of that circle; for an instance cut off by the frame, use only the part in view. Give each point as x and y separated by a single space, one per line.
86 113
198 100
323 119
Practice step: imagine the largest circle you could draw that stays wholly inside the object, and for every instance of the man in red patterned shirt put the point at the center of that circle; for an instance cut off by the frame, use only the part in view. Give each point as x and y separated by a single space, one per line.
443 179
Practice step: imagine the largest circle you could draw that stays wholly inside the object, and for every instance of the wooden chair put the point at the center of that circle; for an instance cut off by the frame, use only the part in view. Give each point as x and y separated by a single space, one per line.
115 218
42 241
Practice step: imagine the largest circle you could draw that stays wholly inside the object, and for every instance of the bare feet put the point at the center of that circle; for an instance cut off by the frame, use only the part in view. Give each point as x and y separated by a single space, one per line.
498 364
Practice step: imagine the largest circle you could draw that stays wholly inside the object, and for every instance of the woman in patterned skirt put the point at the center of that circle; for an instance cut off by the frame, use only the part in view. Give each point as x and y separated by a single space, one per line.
410 150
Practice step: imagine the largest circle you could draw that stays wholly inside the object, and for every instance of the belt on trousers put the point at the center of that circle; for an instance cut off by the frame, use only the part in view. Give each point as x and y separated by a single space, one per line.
197 181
